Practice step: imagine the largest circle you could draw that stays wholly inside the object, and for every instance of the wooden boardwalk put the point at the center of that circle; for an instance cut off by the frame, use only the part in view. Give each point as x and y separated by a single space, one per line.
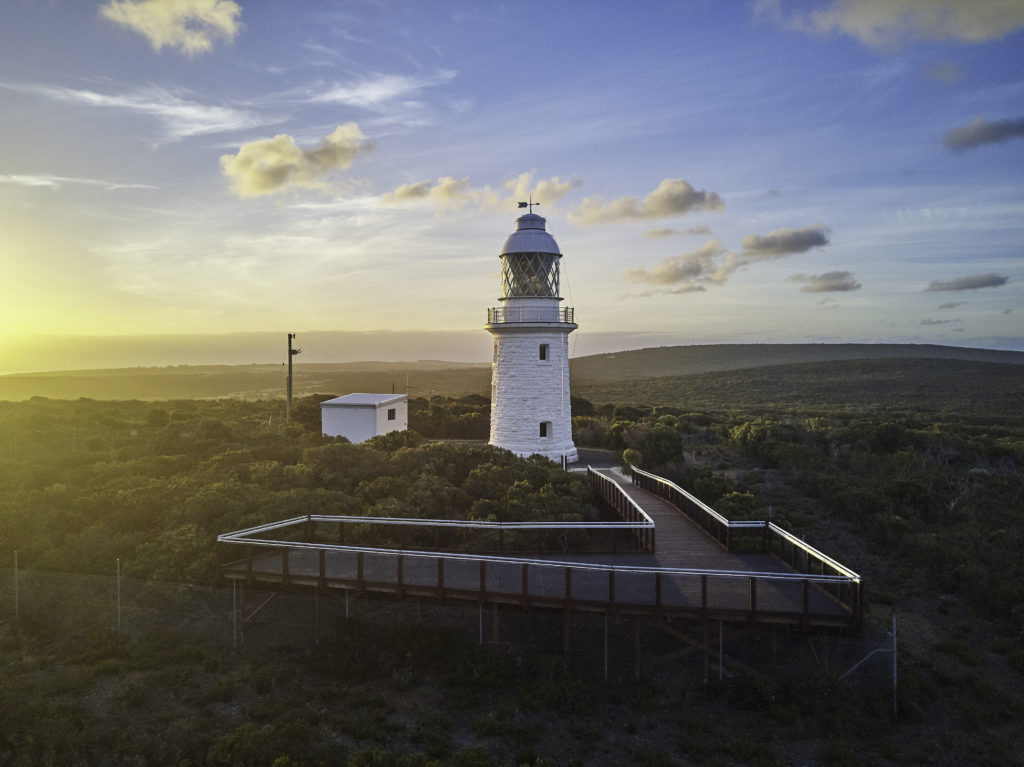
688 575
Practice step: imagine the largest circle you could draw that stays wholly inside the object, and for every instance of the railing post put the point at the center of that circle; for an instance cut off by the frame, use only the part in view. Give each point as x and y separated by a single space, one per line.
805 617
398 576
704 592
440 577
611 587
568 584
359 573
753 598
323 568
526 587
483 580
657 590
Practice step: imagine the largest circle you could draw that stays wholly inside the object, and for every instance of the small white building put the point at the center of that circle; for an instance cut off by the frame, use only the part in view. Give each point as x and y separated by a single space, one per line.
358 417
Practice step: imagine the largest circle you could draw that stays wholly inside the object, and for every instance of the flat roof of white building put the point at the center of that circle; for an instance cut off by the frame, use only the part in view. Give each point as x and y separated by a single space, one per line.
360 399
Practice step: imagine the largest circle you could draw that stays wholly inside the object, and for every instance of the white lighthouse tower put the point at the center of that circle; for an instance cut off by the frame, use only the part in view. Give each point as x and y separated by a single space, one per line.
530 410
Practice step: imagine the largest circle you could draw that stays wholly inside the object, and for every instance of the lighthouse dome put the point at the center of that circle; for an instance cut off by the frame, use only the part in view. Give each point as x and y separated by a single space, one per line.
530 237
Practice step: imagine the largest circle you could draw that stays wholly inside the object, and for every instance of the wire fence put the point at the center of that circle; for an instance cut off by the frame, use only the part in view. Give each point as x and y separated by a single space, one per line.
75 609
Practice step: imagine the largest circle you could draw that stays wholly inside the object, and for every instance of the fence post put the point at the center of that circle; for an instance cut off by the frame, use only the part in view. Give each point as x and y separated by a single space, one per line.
118 596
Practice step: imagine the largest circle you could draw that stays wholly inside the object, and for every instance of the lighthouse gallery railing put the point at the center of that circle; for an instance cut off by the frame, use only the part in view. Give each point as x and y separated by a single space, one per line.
505 314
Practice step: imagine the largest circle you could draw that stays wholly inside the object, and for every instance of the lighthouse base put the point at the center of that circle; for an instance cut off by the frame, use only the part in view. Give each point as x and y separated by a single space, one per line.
556 454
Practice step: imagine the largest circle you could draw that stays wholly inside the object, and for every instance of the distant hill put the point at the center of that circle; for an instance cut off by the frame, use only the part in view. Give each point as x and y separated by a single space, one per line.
683 376
688 360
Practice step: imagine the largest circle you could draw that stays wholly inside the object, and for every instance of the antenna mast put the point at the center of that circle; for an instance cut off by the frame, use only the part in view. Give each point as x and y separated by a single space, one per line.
291 353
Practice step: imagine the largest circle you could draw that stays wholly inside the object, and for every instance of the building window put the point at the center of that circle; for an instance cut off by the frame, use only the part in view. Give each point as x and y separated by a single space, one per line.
543 352
391 414
545 428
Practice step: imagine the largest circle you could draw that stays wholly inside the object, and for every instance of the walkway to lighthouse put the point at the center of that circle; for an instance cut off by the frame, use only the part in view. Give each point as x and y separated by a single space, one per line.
697 565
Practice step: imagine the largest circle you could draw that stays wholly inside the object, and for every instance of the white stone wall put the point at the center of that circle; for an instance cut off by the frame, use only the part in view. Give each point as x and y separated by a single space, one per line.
360 423
354 423
526 391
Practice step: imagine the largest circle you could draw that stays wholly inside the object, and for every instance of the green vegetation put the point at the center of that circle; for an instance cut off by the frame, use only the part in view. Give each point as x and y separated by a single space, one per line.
85 482
909 471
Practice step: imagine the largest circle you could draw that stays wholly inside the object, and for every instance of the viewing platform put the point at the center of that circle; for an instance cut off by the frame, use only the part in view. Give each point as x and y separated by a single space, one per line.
688 562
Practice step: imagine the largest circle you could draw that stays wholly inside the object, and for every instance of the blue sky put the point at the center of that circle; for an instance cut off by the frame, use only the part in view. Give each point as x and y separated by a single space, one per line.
839 171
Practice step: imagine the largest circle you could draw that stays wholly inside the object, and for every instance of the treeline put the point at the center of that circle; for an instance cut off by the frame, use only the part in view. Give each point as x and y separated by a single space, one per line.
83 483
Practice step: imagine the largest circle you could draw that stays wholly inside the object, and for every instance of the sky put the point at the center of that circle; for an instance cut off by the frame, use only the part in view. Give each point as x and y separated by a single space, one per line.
186 181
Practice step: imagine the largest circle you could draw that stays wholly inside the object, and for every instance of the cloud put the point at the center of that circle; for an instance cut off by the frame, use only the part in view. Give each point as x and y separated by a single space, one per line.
951 305
971 282
889 23
181 117
701 229
979 132
1008 311
673 197
784 242
272 166
827 303
377 90
657 233
547 191
705 265
829 282
56 182
187 25
448 193
948 72
940 322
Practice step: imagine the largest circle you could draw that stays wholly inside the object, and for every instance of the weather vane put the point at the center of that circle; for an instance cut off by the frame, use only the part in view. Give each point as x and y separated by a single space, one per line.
529 204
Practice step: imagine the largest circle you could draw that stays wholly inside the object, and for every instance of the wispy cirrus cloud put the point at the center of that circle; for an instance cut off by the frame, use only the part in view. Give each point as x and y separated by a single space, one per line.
190 26
948 72
378 90
672 197
930 321
890 23
828 282
950 305
970 282
979 132
56 182
276 165
180 116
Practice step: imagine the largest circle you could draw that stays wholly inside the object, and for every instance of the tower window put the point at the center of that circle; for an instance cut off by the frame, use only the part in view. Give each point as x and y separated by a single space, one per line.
545 428
543 352
391 414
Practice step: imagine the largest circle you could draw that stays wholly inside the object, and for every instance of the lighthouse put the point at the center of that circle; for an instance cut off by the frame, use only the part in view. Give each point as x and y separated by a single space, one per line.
530 410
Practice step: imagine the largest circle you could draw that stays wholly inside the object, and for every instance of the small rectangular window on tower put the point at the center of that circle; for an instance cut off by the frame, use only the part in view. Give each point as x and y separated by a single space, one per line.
391 414
543 352
545 428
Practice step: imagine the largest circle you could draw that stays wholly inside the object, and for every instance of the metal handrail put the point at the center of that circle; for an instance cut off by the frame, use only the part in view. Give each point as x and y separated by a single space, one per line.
498 315
769 527
549 563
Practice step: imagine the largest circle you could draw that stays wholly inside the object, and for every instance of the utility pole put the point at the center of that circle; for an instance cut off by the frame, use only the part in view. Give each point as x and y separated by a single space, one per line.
291 353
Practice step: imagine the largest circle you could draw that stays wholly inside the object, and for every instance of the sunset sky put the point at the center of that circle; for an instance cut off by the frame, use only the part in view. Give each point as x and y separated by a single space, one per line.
839 171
